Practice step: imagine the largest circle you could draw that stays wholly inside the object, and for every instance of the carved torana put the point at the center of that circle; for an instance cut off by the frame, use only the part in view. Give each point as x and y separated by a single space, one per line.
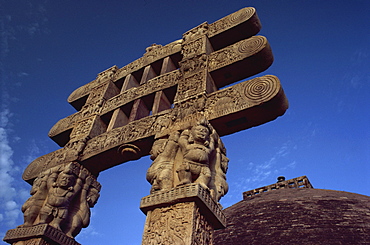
173 103
166 87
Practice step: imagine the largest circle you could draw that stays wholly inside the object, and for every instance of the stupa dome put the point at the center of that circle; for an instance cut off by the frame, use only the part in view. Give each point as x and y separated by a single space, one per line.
297 214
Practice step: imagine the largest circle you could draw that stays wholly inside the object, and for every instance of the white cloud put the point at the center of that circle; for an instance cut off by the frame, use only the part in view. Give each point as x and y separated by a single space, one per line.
87 233
11 217
23 194
33 151
13 192
9 209
262 171
9 205
6 162
259 173
23 74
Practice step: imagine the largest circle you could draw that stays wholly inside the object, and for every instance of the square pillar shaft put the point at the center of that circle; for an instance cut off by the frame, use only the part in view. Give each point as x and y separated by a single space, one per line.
184 215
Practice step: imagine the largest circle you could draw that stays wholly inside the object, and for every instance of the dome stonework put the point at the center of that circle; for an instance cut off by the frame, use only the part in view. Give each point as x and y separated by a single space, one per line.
298 216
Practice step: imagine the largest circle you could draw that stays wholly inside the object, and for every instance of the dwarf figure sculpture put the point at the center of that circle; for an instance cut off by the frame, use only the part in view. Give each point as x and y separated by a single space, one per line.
197 145
62 197
193 155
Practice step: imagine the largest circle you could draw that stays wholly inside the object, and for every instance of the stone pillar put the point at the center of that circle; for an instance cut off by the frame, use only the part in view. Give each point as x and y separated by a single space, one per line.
186 214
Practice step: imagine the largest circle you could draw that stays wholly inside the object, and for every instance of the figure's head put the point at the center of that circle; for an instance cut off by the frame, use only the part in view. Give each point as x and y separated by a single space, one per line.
66 180
157 148
93 197
200 132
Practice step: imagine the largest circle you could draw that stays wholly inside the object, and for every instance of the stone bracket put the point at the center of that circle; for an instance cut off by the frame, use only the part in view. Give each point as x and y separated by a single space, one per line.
187 193
43 231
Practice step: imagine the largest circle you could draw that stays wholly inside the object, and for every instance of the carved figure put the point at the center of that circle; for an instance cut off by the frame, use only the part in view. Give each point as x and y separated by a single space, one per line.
80 211
152 47
32 206
219 185
74 148
197 145
107 74
62 197
193 155
62 187
160 173
168 225
196 32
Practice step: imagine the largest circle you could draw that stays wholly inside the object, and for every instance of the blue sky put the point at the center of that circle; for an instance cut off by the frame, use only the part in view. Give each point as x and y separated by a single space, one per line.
322 58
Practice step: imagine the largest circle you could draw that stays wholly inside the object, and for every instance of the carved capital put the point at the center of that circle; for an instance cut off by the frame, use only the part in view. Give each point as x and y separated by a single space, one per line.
61 197
193 153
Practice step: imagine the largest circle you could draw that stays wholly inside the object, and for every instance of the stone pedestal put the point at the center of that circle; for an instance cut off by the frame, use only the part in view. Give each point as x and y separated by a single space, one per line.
183 215
42 234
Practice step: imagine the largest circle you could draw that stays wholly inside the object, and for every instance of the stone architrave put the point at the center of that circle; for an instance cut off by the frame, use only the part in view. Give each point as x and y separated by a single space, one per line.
123 110
158 100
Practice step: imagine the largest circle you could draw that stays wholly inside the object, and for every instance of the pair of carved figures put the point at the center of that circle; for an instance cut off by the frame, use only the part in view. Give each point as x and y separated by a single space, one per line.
62 197
193 155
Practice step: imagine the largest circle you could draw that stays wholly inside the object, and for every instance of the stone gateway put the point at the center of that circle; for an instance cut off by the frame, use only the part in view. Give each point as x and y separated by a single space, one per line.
174 103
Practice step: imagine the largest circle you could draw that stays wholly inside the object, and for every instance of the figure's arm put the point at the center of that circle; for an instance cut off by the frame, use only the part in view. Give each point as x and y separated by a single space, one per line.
212 140
174 137
85 189
171 146
81 178
184 138
51 180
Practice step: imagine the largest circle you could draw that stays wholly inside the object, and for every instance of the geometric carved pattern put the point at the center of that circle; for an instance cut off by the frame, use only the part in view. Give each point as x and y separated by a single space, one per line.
258 90
44 231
